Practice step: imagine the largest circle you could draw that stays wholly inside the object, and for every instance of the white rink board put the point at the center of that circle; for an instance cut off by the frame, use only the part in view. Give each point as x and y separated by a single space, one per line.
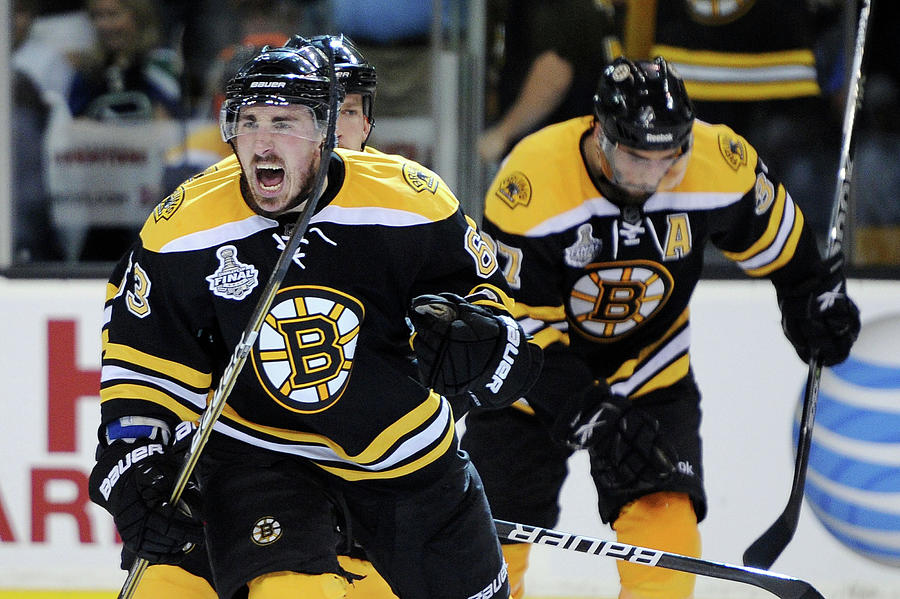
51 537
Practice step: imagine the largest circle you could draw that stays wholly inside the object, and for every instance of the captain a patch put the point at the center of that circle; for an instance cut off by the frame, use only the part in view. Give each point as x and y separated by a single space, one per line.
233 279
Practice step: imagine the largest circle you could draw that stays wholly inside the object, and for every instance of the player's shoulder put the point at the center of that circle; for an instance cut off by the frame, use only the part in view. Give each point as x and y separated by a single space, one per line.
542 176
721 158
395 185
207 200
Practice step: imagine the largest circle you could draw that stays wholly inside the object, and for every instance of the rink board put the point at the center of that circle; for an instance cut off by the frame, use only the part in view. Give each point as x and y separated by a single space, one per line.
53 539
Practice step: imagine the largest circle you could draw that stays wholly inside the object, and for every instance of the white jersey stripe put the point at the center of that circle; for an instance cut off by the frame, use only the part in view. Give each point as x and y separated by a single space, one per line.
731 74
676 346
117 373
696 200
424 439
369 215
218 235
772 252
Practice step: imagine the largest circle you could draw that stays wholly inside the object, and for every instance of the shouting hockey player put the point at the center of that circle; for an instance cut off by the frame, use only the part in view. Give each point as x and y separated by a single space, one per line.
330 431
600 224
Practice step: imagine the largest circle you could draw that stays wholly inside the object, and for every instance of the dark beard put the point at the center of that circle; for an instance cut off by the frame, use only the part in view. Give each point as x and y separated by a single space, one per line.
619 196
612 192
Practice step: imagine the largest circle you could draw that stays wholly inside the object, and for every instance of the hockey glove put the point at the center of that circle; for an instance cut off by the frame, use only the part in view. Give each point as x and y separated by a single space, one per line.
133 482
464 349
624 441
819 319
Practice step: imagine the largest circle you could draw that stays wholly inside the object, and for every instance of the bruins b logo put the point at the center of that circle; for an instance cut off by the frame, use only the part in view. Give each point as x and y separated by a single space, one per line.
612 300
306 347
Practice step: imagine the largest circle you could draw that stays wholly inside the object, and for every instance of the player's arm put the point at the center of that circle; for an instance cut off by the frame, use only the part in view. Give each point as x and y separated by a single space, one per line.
470 350
465 340
766 234
154 376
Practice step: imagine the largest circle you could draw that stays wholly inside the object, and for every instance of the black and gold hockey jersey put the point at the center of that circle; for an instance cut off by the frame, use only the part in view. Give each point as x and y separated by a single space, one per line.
742 50
329 377
614 284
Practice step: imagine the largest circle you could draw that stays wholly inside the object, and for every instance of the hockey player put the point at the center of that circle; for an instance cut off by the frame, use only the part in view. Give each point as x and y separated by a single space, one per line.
358 79
600 224
330 430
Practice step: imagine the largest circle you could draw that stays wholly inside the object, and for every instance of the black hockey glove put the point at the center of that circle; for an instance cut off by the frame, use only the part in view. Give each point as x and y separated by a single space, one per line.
463 349
133 482
818 317
625 442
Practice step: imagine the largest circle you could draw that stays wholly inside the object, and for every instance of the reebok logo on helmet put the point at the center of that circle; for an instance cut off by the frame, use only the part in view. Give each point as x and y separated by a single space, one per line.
657 137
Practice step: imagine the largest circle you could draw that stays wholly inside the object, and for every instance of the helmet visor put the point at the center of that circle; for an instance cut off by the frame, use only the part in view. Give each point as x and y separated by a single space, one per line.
273 115
642 171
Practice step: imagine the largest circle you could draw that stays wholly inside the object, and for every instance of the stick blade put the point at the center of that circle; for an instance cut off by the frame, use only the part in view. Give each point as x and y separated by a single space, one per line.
763 552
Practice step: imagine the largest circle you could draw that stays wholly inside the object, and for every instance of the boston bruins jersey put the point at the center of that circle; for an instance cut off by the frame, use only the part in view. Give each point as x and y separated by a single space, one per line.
329 377
614 284
742 50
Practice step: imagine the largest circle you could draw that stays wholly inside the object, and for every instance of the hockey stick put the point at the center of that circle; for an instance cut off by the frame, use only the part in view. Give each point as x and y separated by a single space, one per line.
779 585
248 337
763 552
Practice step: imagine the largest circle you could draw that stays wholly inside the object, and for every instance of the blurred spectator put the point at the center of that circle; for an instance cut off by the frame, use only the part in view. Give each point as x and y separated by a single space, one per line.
756 66
34 238
48 34
127 75
547 56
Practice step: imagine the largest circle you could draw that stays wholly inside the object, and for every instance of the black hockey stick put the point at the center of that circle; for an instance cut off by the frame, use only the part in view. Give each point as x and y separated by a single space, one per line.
229 376
779 585
763 552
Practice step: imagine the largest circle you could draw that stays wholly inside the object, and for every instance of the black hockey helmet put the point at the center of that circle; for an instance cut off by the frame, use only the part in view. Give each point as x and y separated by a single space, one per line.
644 105
278 77
354 72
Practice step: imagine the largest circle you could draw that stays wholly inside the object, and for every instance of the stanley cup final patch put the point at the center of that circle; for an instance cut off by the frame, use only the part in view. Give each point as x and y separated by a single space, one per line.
585 249
233 279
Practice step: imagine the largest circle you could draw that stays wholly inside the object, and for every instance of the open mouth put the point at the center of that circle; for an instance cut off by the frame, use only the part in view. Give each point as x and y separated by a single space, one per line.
269 177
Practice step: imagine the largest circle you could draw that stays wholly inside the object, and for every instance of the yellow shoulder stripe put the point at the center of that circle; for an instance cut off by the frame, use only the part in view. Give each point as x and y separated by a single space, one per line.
387 181
205 201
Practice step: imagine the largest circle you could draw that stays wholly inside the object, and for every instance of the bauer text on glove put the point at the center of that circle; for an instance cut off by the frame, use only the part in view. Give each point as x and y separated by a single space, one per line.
466 349
133 482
